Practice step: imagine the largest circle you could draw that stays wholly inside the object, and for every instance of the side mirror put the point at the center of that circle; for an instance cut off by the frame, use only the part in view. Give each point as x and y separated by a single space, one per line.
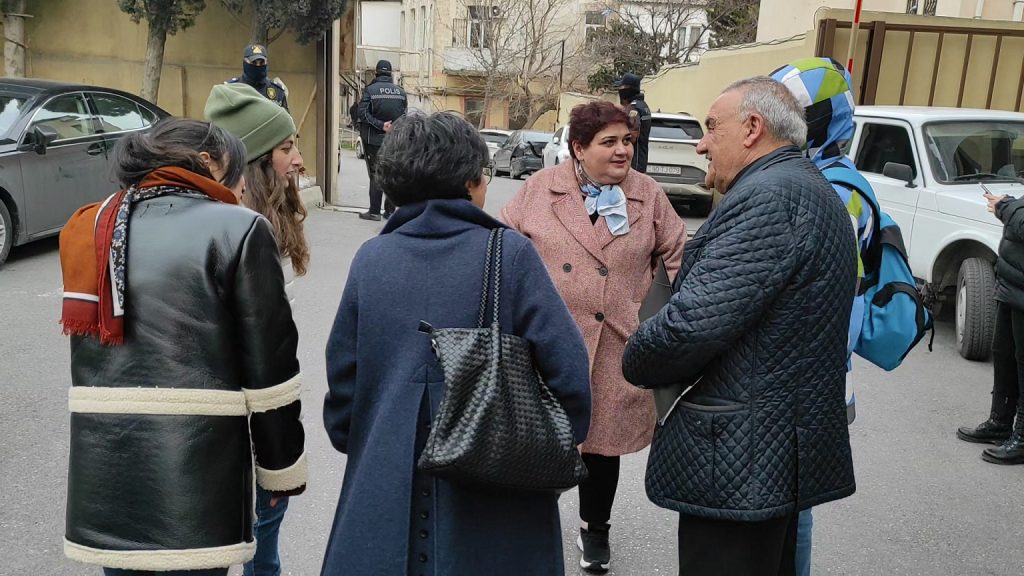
40 137
898 171
555 140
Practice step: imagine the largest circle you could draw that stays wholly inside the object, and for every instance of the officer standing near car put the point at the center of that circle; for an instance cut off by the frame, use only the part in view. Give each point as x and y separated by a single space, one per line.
632 99
255 74
383 102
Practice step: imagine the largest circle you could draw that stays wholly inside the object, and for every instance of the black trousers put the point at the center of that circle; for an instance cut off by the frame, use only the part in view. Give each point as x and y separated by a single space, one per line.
719 547
376 194
1007 361
597 492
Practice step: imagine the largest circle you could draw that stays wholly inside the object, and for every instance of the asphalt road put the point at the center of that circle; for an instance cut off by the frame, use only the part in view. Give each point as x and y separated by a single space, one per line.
926 503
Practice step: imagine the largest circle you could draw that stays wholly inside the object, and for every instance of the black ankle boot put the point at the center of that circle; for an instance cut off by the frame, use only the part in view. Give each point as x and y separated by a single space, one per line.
991 431
1011 451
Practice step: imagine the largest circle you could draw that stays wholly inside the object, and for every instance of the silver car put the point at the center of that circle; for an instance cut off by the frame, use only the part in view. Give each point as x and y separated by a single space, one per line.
55 152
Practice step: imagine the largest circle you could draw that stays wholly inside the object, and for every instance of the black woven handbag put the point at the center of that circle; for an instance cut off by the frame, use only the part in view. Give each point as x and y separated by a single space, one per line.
498 424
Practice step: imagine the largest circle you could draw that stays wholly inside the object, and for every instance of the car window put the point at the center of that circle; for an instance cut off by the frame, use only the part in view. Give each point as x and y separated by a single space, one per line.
558 134
971 152
883 143
537 137
10 111
68 115
117 114
676 129
494 138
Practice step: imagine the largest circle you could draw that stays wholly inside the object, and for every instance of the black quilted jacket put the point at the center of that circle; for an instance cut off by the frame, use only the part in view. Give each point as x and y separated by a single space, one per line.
760 316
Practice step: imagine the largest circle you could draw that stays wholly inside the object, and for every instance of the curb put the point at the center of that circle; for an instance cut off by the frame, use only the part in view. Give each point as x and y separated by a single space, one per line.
312 197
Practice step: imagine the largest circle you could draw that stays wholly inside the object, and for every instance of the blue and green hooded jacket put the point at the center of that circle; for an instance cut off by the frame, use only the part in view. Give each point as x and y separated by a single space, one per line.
822 86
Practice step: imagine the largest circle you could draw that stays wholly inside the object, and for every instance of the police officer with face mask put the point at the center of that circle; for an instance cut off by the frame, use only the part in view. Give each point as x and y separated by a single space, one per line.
632 99
383 102
254 68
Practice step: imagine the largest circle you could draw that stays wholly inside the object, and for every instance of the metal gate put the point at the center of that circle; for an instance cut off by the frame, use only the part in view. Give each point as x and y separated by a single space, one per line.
952 52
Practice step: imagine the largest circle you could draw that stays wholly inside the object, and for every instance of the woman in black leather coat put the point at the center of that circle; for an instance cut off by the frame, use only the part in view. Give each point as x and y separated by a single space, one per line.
185 382
1001 428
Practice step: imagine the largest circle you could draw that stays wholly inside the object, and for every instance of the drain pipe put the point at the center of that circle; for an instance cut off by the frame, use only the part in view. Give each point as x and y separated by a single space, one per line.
1018 10
979 9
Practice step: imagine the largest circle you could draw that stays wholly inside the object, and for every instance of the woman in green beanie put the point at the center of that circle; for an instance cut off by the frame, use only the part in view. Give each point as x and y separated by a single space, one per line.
272 165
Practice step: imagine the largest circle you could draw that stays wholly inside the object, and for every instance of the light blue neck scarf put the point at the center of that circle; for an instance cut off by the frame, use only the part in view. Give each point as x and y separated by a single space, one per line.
607 200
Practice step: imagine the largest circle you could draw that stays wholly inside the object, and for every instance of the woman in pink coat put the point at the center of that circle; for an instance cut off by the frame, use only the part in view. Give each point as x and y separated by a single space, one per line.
601 228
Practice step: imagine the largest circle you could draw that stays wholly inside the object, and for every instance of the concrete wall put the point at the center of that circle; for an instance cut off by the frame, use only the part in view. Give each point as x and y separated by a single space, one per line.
101 45
785 18
692 89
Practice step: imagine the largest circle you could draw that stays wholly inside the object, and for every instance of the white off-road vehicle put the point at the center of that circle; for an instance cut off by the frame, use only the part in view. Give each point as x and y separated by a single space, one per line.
929 168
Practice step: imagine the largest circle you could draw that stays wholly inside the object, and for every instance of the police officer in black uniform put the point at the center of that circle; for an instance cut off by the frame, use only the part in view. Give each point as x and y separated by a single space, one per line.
632 99
383 102
254 73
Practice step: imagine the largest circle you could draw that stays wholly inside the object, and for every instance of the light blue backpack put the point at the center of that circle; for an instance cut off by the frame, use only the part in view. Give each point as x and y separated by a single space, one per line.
895 316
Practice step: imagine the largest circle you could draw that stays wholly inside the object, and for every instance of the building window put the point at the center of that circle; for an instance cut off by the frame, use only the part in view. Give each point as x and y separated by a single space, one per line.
481 25
689 40
595 20
912 6
474 111
930 6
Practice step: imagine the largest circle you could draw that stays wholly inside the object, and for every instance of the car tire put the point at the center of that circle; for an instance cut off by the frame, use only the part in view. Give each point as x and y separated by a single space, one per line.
7 232
704 207
975 309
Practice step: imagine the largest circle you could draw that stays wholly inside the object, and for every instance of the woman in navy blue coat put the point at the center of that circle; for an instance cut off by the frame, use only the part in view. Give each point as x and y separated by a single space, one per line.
386 385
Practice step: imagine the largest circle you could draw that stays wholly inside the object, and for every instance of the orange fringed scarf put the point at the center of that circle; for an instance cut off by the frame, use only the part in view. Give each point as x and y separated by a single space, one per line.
85 253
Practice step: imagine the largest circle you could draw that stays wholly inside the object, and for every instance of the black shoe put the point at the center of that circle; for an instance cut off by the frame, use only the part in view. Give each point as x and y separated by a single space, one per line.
1009 452
387 215
368 216
990 431
597 554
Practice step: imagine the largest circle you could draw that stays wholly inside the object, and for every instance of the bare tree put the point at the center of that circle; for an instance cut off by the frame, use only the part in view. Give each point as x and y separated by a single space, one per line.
163 17
645 36
308 19
522 51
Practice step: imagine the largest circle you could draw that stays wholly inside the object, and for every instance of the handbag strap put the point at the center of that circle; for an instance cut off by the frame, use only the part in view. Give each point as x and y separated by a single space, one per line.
492 276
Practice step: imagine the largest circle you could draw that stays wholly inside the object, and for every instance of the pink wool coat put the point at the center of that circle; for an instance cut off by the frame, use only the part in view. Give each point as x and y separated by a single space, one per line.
603 279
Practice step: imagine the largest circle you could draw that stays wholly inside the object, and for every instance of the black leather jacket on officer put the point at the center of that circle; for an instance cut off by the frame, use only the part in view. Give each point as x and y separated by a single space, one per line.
255 73
207 377
383 101
639 114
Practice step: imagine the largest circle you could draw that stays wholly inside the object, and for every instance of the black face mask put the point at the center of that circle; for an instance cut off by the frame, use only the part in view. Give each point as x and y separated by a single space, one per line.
254 72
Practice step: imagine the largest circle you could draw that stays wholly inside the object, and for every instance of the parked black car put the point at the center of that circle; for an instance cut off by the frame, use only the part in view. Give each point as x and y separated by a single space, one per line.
55 146
522 153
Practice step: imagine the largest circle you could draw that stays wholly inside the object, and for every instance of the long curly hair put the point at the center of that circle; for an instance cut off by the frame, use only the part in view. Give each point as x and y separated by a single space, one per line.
277 199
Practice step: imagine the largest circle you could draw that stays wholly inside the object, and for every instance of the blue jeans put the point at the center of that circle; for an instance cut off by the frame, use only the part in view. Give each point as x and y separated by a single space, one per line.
267 562
803 543
210 572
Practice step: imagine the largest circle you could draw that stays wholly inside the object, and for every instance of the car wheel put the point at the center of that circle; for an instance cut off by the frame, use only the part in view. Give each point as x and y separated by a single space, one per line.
975 309
703 208
6 232
512 173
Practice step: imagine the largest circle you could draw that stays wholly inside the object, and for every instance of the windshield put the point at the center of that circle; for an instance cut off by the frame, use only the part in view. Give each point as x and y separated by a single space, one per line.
10 110
493 138
976 151
537 137
668 129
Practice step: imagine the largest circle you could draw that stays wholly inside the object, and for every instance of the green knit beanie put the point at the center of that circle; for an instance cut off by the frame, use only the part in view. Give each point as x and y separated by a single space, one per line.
256 120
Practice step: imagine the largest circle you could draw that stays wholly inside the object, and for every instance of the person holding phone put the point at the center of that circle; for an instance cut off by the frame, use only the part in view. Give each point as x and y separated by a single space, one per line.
1005 424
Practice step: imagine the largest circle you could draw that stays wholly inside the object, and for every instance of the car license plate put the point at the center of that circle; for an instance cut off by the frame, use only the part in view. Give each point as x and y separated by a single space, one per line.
672 170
